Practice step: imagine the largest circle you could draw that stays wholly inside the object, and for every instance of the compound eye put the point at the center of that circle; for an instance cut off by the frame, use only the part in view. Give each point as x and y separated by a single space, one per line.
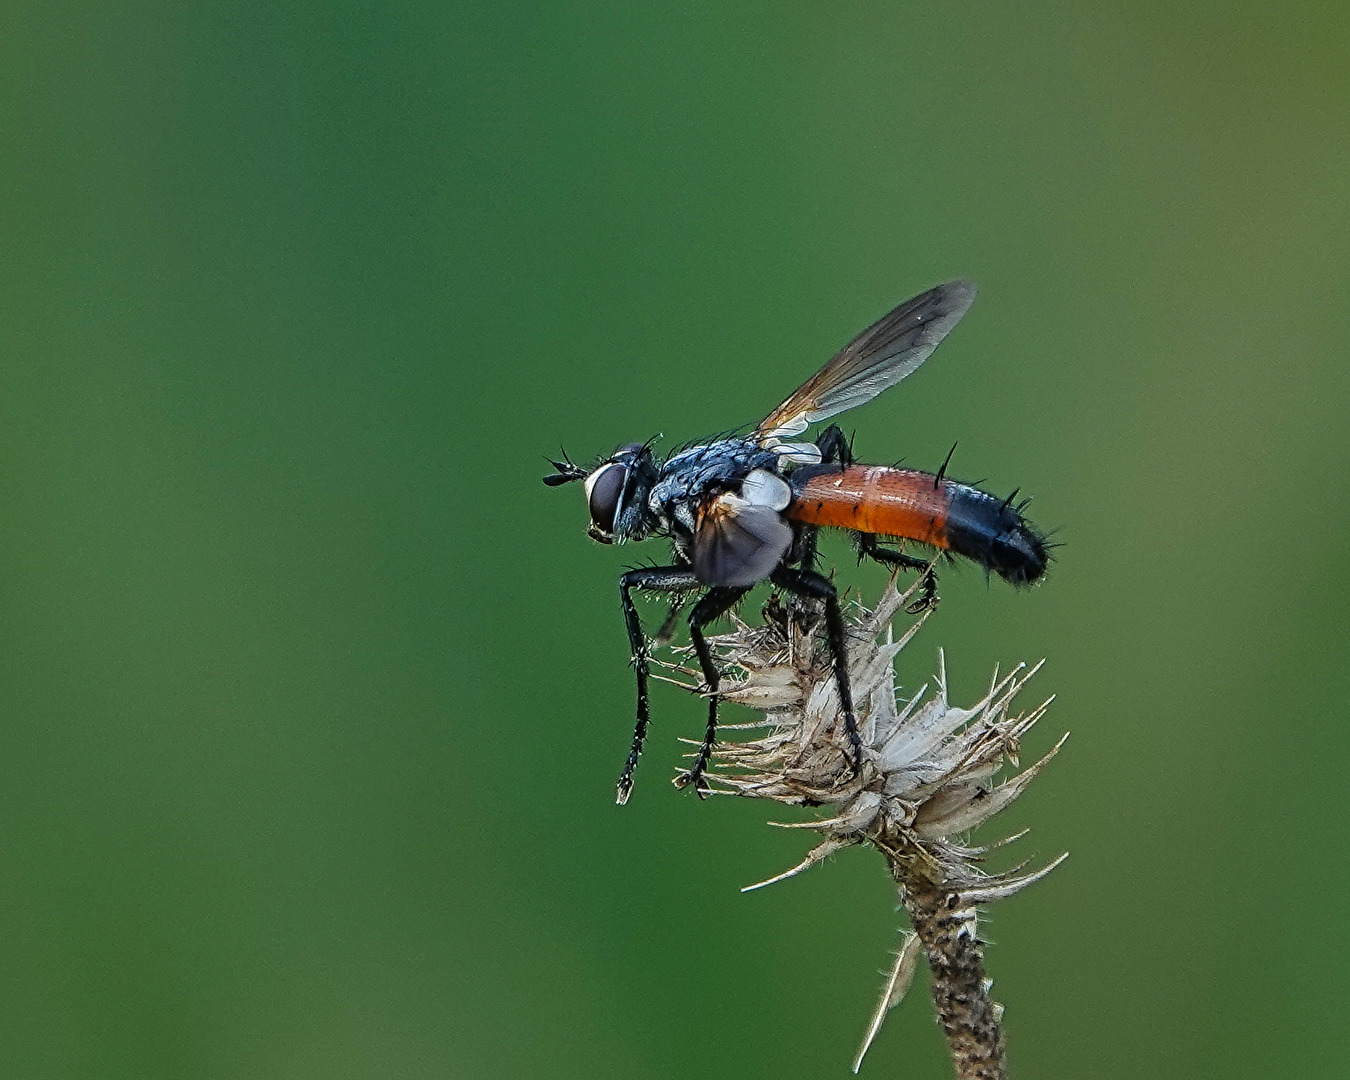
603 490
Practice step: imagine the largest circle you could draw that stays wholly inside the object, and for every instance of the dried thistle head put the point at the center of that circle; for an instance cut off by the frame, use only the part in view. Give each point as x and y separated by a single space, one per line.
930 774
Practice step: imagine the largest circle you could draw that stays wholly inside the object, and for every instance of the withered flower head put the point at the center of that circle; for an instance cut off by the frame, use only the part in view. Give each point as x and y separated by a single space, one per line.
930 774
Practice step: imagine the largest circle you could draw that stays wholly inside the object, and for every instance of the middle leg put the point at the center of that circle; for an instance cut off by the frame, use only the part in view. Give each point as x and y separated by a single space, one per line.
715 602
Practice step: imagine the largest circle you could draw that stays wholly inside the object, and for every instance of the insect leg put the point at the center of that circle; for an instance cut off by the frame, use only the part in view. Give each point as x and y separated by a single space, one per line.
804 583
868 545
667 630
834 446
834 449
805 556
715 602
656 579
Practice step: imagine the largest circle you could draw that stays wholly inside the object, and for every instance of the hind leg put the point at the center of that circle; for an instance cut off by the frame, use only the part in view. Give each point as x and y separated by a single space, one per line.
869 546
834 449
801 583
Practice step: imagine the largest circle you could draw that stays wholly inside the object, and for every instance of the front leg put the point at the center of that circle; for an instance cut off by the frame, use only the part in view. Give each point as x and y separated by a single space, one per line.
714 603
654 579
807 584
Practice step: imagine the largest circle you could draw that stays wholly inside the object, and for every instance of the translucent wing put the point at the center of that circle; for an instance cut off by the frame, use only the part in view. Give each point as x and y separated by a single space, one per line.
874 361
741 539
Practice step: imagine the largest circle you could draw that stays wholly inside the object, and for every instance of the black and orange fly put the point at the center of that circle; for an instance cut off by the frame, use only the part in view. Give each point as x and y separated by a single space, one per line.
746 509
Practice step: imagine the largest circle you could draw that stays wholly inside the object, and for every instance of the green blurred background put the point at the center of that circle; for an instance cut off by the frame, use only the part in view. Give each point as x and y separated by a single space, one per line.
313 697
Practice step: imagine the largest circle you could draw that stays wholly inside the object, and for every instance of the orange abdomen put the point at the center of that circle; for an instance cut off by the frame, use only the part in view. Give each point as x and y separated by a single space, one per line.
913 505
876 499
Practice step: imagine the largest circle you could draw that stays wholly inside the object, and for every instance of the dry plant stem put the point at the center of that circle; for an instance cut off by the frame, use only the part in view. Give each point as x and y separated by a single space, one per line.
969 1017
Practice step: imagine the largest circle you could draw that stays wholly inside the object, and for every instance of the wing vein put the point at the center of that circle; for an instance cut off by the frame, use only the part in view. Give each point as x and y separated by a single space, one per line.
872 362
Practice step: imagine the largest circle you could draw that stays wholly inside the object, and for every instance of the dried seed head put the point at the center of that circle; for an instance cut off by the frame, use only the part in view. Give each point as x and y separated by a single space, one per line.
930 772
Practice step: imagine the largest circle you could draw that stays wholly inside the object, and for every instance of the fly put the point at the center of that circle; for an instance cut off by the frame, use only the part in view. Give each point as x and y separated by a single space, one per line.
747 509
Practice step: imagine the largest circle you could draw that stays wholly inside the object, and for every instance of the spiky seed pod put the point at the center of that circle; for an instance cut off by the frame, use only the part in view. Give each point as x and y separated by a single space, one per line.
930 775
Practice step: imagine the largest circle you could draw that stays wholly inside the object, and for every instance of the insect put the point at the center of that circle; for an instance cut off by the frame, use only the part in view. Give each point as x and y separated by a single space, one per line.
749 508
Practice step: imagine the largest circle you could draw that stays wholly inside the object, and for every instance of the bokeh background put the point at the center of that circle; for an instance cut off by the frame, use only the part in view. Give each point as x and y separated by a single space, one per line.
313 697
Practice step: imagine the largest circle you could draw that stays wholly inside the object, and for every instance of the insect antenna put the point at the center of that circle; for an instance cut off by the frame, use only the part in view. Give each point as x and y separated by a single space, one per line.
564 471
